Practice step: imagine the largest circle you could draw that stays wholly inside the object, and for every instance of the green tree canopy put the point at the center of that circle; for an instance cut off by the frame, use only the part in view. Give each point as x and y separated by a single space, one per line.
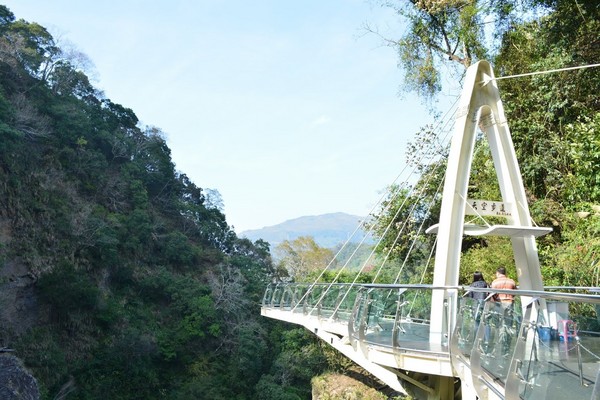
302 257
553 117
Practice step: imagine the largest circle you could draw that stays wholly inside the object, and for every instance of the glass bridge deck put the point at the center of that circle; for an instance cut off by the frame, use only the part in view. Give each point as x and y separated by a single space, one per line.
546 345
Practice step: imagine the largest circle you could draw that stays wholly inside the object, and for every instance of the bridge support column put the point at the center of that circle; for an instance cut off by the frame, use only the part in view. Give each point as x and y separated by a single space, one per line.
444 388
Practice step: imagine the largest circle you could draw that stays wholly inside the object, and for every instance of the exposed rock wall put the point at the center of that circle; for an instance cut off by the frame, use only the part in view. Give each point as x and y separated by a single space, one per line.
18 304
16 383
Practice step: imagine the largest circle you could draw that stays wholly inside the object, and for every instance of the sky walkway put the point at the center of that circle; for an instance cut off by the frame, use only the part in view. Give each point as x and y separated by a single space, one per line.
434 341
495 352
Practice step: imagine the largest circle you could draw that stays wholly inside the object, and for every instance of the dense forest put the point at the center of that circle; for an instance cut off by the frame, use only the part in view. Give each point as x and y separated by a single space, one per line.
120 279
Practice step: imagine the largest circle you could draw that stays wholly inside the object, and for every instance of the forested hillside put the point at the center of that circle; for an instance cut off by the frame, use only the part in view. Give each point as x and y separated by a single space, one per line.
118 279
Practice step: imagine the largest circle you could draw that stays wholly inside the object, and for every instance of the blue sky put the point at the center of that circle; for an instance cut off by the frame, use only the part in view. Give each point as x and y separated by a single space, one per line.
287 108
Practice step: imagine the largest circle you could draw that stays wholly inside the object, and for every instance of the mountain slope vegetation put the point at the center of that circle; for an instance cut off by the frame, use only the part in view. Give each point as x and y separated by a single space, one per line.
328 230
118 278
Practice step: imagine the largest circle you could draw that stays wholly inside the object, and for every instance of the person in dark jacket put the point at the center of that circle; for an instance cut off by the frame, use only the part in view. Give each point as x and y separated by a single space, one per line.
478 282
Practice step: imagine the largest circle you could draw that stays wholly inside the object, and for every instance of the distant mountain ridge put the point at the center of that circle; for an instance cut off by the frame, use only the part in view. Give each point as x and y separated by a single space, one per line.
328 230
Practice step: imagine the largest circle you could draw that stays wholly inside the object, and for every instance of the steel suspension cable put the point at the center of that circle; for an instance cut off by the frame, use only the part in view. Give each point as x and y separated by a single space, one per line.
550 71
415 204
425 153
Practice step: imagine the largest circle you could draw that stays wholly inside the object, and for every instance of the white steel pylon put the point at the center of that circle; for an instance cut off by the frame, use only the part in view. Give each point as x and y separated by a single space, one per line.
480 105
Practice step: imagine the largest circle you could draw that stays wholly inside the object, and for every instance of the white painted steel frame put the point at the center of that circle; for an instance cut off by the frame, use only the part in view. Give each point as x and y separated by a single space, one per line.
480 104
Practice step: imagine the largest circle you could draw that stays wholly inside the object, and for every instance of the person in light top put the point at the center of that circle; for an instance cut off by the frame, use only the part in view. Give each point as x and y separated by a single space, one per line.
503 282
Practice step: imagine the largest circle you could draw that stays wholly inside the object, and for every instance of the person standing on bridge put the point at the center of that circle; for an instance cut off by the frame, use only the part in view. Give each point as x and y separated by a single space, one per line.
507 328
479 282
503 282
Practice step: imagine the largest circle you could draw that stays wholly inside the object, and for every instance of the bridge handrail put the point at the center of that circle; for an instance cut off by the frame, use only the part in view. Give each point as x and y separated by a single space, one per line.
545 294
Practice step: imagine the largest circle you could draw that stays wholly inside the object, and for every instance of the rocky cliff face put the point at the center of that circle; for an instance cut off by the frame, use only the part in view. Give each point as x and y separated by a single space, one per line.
18 302
16 383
